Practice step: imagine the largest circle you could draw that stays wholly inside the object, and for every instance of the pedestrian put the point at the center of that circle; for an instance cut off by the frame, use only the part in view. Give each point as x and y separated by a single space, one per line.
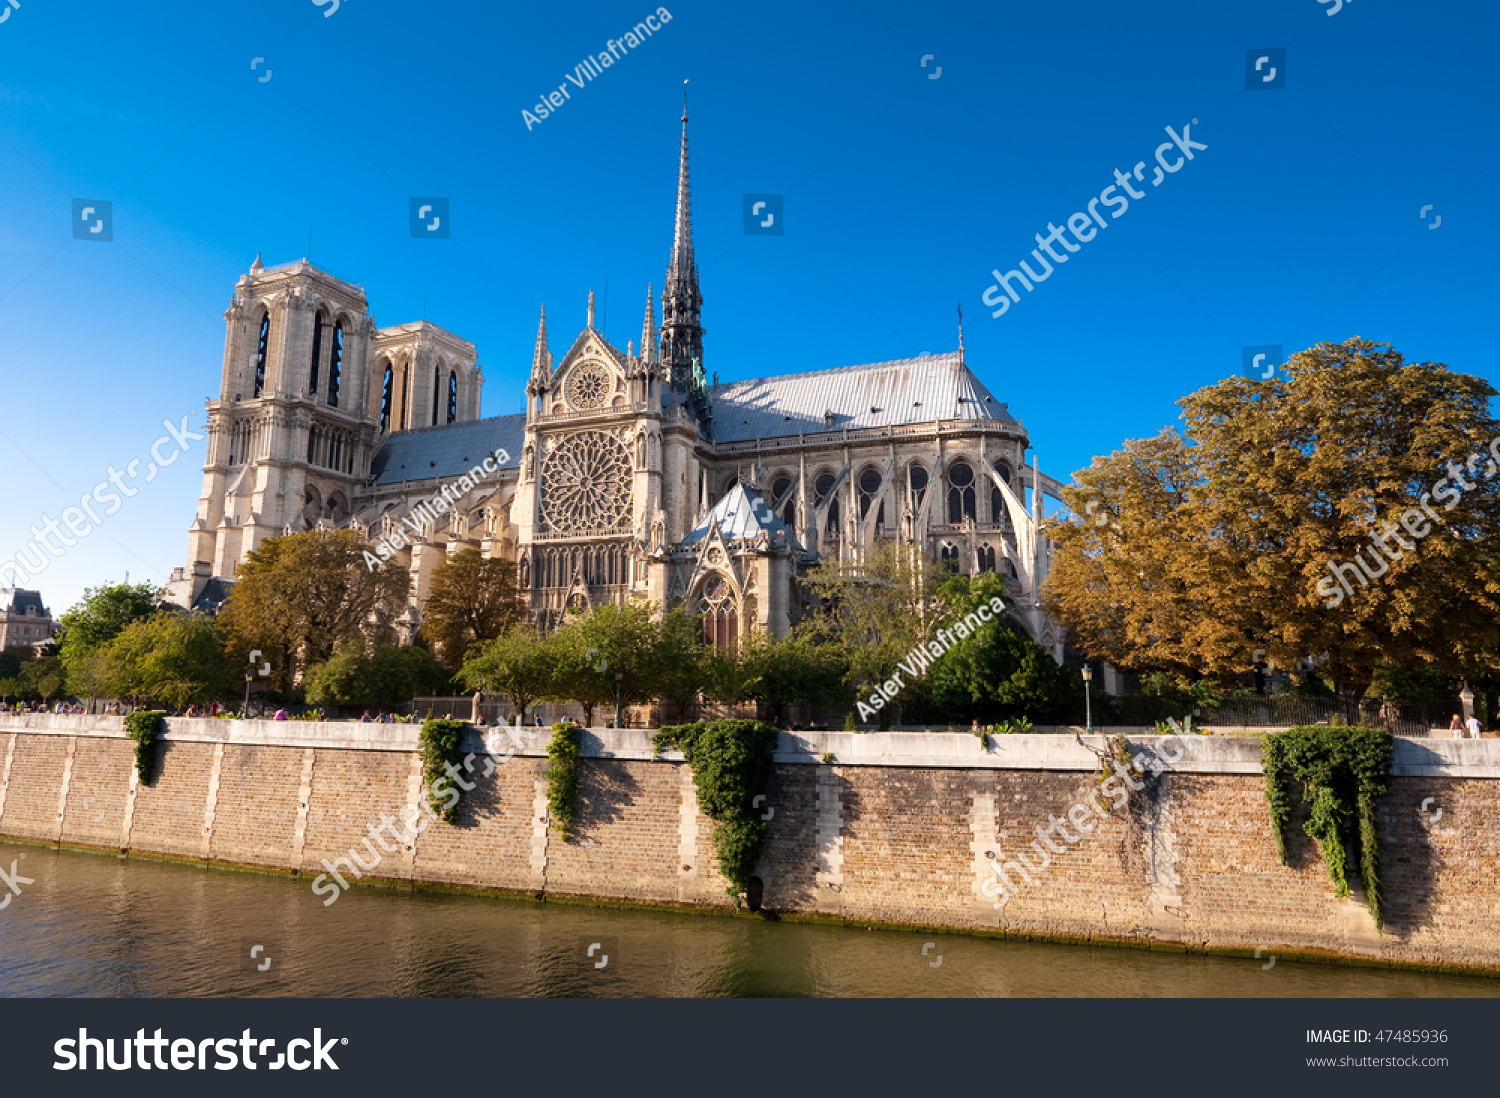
539 718
1476 730
366 718
1456 726
280 715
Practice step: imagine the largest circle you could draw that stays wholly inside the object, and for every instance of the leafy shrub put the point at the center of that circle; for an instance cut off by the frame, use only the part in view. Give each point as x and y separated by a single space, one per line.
143 726
441 745
731 762
1343 770
562 775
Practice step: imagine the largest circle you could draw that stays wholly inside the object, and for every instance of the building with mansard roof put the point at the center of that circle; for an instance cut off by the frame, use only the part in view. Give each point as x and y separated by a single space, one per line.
629 475
24 621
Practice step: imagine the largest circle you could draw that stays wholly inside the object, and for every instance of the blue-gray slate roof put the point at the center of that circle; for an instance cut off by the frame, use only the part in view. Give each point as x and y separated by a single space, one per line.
879 394
449 450
740 516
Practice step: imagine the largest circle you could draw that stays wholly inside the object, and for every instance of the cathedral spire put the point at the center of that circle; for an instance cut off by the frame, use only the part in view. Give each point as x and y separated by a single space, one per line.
541 359
648 329
681 301
591 309
960 333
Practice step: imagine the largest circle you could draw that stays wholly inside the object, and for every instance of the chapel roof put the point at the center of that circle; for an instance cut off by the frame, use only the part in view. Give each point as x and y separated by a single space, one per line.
742 515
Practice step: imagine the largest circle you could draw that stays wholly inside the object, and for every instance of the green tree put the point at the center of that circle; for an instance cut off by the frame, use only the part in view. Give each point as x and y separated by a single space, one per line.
594 647
520 664
100 617
299 598
682 662
472 599
874 611
777 673
172 657
998 672
376 673
43 678
1200 549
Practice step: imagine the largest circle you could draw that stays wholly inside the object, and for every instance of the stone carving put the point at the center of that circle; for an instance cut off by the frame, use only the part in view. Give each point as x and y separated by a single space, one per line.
586 483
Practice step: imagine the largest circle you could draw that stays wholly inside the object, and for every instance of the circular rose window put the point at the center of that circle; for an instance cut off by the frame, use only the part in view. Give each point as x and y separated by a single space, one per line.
588 385
586 484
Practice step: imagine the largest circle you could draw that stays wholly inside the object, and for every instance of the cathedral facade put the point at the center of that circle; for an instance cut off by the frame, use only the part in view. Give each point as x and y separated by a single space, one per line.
629 475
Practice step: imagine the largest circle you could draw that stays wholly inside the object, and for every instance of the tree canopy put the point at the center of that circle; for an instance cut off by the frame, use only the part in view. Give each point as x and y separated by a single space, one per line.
171 657
299 598
378 674
1210 549
472 599
99 617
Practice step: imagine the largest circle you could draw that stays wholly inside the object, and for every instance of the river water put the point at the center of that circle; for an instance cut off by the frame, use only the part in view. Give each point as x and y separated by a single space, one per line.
99 925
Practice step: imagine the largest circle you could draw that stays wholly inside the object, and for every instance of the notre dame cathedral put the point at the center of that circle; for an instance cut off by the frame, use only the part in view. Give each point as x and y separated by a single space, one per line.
628 475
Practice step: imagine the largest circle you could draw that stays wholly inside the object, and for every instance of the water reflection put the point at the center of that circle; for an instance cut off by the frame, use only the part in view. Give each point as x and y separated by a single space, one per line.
95 925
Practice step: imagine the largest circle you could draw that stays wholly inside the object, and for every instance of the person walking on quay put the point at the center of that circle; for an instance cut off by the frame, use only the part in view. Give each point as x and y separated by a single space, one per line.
280 715
1456 726
1476 730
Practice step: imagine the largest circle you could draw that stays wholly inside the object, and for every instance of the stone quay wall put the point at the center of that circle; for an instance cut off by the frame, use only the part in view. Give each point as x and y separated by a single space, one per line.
895 829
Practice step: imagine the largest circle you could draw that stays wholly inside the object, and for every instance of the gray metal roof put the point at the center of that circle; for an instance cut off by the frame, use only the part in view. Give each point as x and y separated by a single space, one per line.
17 600
742 515
448 450
880 394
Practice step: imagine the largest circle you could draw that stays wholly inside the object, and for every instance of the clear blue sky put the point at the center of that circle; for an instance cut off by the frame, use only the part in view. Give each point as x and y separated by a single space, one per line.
1299 223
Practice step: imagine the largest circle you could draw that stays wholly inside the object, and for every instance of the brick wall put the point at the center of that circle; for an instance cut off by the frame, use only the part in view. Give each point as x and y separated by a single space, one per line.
899 830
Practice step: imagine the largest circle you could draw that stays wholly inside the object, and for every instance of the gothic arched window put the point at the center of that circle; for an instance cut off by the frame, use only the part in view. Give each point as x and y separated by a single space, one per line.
781 490
437 389
335 359
317 354
385 399
916 480
960 493
260 353
869 485
987 558
997 504
821 488
720 622
949 555
452 396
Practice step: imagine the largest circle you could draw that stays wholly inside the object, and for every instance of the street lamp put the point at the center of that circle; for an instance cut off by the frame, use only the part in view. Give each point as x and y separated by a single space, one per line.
1088 706
245 712
619 675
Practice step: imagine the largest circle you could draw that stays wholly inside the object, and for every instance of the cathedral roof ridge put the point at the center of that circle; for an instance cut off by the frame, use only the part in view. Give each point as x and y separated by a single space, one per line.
946 358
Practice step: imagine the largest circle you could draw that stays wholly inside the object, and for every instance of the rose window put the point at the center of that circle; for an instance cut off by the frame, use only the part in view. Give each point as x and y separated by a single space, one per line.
588 385
586 484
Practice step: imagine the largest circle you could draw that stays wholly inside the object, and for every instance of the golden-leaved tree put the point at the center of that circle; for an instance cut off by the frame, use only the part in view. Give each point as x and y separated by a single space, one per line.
1198 550
299 598
472 599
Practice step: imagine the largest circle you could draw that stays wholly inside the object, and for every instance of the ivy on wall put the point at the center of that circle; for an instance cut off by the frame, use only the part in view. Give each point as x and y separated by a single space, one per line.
562 775
1343 771
440 744
143 726
731 762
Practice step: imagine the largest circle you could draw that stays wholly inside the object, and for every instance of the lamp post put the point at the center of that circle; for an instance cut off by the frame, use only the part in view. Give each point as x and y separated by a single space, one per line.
245 712
1088 705
619 675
